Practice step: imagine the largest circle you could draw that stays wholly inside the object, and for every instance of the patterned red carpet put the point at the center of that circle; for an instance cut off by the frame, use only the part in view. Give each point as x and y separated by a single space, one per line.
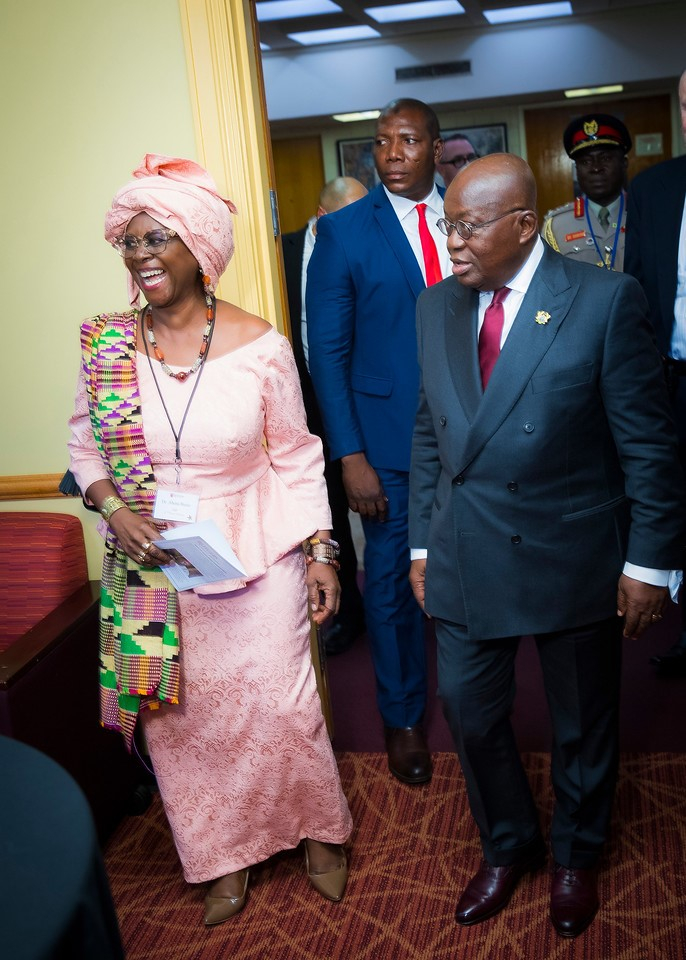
412 851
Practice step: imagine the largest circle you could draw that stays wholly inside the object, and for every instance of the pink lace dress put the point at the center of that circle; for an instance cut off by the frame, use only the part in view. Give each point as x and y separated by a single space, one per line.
244 763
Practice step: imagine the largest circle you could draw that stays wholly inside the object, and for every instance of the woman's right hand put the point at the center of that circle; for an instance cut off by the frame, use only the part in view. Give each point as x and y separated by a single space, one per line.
136 533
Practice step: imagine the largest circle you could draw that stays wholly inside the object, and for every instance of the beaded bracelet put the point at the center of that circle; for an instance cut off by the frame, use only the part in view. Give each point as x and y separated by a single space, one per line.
329 560
323 548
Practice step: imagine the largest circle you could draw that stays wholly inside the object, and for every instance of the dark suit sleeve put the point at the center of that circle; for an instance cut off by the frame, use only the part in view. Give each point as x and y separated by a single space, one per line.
425 465
637 407
634 233
331 311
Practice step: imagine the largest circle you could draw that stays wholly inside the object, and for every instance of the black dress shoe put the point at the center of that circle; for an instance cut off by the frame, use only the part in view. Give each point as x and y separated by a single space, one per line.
409 759
341 635
671 663
491 887
573 899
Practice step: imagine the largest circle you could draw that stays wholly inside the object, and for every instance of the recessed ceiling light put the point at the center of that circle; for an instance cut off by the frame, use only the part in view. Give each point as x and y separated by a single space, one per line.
360 115
289 9
537 11
594 91
335 35
397 12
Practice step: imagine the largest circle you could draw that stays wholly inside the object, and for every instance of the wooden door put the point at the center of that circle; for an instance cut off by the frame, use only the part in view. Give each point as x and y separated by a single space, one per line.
546 154
299 177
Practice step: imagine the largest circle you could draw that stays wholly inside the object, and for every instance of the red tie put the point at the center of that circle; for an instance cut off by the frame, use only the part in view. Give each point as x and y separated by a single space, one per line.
432 265
491 332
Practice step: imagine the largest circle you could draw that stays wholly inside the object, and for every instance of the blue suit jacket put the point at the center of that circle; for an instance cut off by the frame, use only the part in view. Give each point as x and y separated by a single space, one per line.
362 285
531 495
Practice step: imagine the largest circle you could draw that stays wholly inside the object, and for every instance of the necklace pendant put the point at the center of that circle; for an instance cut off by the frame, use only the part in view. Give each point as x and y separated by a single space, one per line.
180 376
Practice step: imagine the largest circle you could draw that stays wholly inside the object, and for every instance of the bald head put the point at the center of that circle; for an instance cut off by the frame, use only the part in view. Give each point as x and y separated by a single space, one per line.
339 193
496 197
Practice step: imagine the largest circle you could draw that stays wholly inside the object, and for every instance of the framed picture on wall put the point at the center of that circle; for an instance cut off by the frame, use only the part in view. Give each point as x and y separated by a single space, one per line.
356 159
489 138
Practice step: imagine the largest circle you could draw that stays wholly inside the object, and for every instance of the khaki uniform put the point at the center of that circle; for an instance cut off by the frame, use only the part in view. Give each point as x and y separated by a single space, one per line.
565 229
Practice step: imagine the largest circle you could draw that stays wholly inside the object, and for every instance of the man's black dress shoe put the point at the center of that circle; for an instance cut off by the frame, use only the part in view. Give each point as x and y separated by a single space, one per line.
341 635
491 888
573 899
409 759
671 663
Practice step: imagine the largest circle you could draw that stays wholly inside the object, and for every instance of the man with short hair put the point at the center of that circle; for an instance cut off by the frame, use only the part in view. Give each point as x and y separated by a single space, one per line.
348 624
457 153
370 262
546 498
656 256
591 227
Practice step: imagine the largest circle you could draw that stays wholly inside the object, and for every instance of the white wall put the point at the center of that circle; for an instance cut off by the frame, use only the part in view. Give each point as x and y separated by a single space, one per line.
646 43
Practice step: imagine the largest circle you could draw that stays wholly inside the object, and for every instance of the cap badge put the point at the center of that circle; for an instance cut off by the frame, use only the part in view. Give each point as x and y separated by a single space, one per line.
542 317
591 128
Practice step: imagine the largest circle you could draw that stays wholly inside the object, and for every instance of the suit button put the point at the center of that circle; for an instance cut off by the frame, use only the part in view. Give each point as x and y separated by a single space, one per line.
528 427
512 486
442 421
459 480
516 538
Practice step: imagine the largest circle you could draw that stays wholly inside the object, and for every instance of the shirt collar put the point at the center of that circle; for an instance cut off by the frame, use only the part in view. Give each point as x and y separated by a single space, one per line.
403 206
522 278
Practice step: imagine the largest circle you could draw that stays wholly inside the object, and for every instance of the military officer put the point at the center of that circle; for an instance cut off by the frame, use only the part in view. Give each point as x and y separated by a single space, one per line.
591 227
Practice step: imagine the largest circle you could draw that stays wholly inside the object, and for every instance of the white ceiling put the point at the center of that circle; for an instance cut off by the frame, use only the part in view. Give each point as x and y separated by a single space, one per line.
275 33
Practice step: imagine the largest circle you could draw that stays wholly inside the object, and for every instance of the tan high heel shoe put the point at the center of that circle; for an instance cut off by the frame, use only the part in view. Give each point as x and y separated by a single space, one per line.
331 884
218 909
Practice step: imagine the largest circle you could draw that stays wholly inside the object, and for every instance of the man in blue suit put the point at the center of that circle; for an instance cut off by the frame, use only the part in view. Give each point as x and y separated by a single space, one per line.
546 498
370 262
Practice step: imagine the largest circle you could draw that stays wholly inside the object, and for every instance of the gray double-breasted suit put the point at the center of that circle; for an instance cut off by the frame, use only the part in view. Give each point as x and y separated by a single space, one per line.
529 498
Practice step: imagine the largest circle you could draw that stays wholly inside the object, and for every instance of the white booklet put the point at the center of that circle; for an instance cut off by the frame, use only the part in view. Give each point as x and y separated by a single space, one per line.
202 554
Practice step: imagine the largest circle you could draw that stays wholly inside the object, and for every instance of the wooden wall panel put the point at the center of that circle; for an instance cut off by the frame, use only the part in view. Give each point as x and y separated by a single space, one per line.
299 175
552 166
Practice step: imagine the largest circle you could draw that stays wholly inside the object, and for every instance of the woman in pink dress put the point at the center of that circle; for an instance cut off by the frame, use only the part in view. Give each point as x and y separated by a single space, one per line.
191 407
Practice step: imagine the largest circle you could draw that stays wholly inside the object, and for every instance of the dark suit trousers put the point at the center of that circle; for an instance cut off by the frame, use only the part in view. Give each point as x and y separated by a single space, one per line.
395 626
581 671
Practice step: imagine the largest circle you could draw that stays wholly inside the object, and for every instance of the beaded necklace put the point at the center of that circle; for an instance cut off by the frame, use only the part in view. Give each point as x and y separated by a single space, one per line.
183 374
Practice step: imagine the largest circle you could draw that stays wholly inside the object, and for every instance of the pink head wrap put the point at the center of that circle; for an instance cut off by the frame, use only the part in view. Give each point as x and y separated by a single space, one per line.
182 196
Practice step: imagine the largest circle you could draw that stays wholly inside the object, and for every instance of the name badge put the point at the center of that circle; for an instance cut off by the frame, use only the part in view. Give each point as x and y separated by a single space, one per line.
177 506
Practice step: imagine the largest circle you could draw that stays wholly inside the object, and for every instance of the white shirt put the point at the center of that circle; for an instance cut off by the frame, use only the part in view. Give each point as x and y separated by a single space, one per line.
308 247
678 344
519 284
406 212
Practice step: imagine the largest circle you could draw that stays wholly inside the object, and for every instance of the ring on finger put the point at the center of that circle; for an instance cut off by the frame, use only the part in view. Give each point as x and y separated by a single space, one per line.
145 546
141 557
656 616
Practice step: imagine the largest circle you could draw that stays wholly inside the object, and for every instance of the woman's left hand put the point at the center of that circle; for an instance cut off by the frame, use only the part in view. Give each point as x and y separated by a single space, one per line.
323 592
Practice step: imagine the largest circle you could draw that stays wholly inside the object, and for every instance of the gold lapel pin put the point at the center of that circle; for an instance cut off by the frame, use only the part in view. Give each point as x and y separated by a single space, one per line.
542 317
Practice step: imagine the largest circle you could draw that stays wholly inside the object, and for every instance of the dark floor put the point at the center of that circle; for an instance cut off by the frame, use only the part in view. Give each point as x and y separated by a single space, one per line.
653 708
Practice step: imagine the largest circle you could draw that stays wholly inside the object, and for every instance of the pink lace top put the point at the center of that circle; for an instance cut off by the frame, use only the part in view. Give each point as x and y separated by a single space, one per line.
245 450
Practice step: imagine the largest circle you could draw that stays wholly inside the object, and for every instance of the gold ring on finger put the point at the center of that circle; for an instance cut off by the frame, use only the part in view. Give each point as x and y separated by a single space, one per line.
145 546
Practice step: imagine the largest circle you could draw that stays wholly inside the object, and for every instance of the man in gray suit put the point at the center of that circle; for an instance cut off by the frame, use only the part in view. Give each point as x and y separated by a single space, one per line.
545 499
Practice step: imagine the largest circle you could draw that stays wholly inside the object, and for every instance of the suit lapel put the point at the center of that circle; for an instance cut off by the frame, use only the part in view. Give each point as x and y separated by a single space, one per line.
461 340
549 299
395 235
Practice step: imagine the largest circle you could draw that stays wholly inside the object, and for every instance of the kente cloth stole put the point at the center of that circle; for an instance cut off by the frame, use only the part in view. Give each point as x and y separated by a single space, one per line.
139 623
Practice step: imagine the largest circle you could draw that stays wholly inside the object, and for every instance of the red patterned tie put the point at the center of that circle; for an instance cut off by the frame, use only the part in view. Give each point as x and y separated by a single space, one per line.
491 332
432 264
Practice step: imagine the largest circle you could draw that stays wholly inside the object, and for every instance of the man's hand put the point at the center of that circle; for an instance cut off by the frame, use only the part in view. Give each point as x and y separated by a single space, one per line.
362 485
417 580
640 604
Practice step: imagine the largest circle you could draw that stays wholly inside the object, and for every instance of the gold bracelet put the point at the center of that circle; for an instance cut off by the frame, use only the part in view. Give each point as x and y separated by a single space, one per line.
110 505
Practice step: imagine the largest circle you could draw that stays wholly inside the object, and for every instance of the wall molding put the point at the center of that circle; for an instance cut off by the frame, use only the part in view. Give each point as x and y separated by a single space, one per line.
37 486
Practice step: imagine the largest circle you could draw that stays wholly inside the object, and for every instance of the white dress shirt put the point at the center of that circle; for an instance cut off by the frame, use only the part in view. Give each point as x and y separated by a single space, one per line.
308 247
678 344
406 213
